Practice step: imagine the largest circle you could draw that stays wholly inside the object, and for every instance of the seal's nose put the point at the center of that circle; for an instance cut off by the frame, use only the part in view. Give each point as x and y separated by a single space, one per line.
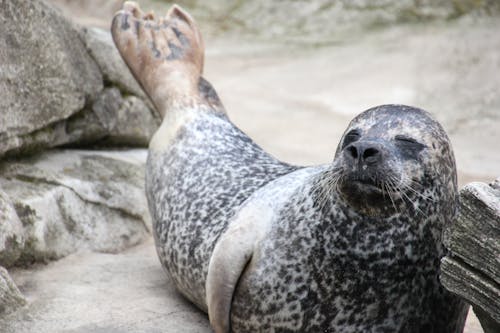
364 152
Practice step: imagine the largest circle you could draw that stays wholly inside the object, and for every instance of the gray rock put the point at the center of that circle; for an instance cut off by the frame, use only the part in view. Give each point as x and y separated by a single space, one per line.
11 232
112 120
324 21
46 74
128 121
78 200
52 78
10 297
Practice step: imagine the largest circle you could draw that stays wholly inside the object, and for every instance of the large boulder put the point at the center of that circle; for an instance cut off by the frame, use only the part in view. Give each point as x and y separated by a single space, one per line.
64 85
47 74
77 200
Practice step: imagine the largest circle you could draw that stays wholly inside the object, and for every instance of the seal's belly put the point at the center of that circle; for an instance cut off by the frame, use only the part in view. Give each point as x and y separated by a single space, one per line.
295 284
287 294
305 277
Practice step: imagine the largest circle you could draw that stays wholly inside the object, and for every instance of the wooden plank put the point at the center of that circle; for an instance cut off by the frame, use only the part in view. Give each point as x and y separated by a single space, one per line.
462 280
472 267
475 237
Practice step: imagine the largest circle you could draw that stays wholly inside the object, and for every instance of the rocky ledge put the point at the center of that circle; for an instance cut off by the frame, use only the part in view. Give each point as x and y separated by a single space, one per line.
64 85
62 201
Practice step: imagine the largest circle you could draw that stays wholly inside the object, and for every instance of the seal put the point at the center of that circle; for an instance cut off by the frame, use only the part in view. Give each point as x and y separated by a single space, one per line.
264 246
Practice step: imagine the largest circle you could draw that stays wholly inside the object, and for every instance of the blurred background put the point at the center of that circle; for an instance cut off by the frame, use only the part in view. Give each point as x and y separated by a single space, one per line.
293 73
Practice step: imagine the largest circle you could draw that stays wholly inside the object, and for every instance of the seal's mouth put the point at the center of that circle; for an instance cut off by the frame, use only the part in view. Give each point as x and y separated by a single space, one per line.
365 197
366 186
369 193
364 183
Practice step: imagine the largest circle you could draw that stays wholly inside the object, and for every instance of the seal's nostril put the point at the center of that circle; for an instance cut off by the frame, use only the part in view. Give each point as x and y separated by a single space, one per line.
352 151
363 152
370 152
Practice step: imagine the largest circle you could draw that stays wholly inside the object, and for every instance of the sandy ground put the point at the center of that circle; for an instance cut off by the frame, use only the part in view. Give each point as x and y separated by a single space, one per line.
103 293
295 101
109 293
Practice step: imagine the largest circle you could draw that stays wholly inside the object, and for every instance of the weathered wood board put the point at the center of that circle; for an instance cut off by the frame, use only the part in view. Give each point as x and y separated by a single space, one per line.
472 267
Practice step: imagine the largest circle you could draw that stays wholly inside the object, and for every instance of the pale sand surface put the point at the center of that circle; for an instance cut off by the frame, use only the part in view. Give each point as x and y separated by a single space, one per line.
109 293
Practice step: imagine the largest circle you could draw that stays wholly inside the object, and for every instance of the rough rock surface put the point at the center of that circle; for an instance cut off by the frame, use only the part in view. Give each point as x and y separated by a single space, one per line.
10 297
46 72
112 120
125 120
124 111
11 232
72 200
63 86
321 21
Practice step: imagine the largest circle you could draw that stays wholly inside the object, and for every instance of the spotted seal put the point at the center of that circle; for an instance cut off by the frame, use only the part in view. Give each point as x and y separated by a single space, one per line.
264 246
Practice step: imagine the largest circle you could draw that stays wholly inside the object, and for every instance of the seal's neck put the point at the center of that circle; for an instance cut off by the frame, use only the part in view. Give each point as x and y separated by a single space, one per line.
177 118
420 227
204 98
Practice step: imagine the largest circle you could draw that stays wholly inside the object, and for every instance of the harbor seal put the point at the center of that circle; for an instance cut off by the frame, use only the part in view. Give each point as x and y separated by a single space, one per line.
265 246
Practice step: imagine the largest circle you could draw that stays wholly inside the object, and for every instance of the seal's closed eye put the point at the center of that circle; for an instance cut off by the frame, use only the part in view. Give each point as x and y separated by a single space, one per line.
409 146
408 141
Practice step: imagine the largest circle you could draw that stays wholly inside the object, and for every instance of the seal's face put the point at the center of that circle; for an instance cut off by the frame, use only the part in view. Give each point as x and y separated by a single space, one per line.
387 157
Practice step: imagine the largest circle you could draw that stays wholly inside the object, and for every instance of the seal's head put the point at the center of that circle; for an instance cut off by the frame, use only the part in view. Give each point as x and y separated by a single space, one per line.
394 157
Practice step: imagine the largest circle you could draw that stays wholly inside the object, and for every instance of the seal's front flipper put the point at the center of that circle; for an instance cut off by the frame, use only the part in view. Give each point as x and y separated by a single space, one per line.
237 250
231 255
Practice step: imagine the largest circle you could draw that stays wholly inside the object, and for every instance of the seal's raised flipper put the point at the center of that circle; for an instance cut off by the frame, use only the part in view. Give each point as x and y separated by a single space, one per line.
164 55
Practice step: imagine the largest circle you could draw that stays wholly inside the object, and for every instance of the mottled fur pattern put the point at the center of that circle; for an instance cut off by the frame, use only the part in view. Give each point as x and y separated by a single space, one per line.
326 268
195 186
322 266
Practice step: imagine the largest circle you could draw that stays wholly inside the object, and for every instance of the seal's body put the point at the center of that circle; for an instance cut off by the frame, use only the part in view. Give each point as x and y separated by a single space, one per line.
202 179
264 246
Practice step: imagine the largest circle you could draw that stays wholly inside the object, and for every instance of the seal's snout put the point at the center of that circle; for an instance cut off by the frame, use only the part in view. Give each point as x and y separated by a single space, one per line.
368 172
363 153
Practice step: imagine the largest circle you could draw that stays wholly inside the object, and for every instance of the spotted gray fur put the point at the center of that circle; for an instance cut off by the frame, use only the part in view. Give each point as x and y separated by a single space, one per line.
193 190
328 263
